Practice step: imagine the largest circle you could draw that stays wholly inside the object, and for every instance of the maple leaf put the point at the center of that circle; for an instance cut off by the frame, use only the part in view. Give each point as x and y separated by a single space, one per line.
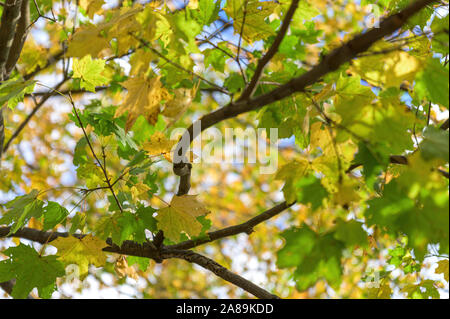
140 61
21 209
92 6
255 28
143 98
178 105
13 91
88 40
90 72
158 144
139 190
180 216
84 251
442 268
32 56
30 270
53 215
384 291
392 70
121 25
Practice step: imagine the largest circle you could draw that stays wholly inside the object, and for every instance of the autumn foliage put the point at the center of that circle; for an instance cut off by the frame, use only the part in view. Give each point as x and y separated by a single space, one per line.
100 100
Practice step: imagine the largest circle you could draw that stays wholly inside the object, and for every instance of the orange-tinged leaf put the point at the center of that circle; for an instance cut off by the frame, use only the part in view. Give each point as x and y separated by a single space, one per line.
123 270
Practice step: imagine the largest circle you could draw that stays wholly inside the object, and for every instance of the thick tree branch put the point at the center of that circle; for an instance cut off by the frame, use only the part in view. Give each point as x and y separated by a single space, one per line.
149 251
13 31
329 63
246 227
397 159
19 37
444 125
100 89
219 271
10 18
249 90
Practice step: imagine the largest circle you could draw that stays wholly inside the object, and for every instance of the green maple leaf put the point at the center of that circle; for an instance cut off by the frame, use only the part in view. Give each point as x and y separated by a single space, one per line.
21 209
90 72
13 91
128 226
207 12
142 262
351 233
53 215
30 270
432 83
315 256
310 190
372 163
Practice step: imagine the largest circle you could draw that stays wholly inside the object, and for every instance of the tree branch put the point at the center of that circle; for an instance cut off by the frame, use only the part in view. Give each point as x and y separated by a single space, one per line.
146 44
246 227
219 271
396 159
444 125
10 18
329 63
20 36
249 90
51 60
24 123
149 251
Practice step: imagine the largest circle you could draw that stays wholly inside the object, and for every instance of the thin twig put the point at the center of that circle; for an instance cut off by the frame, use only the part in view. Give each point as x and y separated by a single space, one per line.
146 44
105 173
36 108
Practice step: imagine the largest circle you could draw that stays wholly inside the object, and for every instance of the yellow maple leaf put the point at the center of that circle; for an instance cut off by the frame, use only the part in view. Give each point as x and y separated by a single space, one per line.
443 268
32 56
158 144
178 105
88 40
180 216
92 6
120 27
384 291
394 68
346 193
140 61
143 98
83 252
255 28
138 190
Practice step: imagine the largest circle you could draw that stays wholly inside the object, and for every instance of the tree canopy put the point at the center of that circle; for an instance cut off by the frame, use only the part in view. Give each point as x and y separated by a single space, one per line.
235 148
